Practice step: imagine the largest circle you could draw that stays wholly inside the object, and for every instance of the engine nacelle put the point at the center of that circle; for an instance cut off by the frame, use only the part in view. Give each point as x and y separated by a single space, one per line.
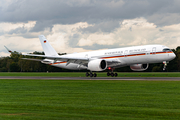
97 65
139 67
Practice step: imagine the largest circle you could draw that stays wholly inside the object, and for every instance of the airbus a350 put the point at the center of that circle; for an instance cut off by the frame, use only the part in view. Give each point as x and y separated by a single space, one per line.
137 57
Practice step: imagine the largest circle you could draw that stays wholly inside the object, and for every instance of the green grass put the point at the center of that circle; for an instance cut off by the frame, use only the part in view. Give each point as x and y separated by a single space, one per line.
89 100
100 74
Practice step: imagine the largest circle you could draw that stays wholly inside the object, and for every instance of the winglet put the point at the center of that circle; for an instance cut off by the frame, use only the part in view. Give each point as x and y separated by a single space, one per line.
8 49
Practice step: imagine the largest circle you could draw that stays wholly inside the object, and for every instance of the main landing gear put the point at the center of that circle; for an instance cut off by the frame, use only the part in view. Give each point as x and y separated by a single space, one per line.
91 74
112 74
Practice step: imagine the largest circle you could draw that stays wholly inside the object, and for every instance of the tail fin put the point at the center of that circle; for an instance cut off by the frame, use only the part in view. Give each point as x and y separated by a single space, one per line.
48 49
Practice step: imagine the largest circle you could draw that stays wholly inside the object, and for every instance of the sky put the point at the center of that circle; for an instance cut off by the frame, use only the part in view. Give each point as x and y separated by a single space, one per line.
85 25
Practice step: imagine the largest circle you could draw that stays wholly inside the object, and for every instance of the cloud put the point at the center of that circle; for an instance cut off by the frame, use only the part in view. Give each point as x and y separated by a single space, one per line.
103 26
71 38
7 27
134 32
98 38
164 19
13 36
82 25
47 13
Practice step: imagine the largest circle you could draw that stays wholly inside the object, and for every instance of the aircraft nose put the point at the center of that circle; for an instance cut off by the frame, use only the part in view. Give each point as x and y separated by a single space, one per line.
172 56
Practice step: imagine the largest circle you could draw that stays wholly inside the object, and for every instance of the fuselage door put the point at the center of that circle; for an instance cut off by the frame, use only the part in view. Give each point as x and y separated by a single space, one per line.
154 51
125 53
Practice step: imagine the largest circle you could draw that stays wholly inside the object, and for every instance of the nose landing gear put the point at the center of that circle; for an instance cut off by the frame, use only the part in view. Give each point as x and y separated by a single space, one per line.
165 64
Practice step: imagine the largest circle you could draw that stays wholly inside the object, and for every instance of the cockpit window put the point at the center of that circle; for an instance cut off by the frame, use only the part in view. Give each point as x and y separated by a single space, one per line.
167 50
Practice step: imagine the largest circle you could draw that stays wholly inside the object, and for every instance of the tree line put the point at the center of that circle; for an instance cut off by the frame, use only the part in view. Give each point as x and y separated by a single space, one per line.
15 63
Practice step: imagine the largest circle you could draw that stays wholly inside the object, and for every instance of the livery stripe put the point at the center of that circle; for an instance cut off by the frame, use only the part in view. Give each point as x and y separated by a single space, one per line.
57 63
120 56
135 55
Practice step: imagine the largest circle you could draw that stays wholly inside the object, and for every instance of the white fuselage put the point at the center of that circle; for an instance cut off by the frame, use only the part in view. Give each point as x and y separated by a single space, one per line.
125 56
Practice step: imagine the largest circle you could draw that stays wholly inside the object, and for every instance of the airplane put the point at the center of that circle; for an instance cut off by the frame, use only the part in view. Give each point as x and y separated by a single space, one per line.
137 57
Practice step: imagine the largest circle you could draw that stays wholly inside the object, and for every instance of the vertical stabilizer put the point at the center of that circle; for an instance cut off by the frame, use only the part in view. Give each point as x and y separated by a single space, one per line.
48 49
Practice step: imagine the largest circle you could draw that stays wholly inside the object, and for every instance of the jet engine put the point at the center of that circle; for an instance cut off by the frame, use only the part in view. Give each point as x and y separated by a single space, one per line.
139 67
97 65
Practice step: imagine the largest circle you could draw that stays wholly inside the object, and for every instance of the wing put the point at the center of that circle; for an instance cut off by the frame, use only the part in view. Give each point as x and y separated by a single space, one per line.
80 61
113 63
68 60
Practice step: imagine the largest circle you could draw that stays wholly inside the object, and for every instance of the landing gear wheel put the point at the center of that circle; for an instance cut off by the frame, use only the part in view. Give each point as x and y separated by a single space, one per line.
108 74
91 75
95 74
112 74
115 74
87 74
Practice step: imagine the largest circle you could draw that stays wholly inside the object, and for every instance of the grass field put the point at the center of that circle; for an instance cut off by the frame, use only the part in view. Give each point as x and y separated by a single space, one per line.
89 100
100 74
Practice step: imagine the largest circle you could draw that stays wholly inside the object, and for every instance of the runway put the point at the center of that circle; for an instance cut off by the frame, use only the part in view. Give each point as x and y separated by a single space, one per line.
96 78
